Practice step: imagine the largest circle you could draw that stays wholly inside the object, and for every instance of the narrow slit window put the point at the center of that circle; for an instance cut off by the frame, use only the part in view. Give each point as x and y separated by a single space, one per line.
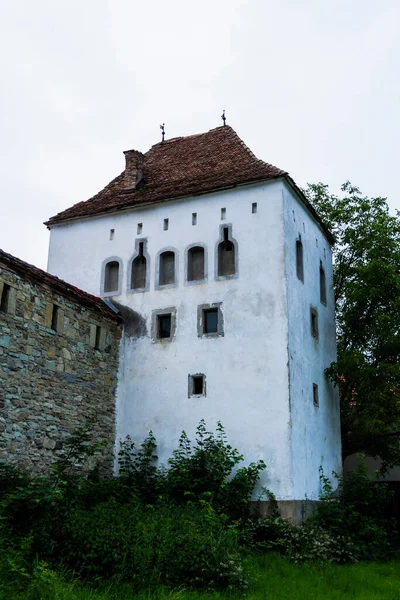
112 232
314 322
194 218
197 385
5 298
226 256
111 277
315 395
167 268
299 260
139 228
223 214
195 264
139 266
54 317
322 284
164 326
166 224
97 341
254 208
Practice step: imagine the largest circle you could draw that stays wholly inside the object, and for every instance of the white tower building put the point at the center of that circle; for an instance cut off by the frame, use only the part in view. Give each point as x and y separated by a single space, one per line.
228 270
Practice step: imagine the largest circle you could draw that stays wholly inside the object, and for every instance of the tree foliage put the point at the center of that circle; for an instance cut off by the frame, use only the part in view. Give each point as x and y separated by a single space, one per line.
367 296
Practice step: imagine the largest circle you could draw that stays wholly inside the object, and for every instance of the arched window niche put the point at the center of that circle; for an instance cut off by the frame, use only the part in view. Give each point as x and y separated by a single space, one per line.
167 268
226 254
195 264
139 268
299 259
111 276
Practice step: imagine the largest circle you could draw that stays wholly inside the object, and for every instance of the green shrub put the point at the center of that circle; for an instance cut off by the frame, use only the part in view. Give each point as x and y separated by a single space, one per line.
359 511
153 545
300 543
206 471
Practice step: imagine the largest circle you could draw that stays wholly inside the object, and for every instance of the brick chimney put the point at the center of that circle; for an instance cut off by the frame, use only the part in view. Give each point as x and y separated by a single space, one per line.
133 168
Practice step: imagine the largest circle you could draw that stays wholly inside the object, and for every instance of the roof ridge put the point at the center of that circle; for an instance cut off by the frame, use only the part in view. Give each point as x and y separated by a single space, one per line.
30 271
191 136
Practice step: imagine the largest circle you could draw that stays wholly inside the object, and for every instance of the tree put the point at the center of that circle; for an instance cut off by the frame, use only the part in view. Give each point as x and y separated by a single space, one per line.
367 296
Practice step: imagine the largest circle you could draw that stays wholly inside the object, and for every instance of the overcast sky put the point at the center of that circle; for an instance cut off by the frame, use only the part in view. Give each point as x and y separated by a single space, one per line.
311 86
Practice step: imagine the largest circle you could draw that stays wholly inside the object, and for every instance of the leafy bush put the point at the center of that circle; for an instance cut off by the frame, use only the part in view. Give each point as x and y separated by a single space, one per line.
149 545
349 525
359 511
301 543
148 525
205 471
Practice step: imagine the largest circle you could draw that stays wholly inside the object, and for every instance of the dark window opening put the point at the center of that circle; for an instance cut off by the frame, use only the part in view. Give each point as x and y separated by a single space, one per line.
97 341
139 228
164 326
299 260
226 256
322 284
254 208
223 214
210 321
195 264
315 395
167 268
194 218
5 298
138 274
314 322
166 224
111 278
54 317
198 385
112 231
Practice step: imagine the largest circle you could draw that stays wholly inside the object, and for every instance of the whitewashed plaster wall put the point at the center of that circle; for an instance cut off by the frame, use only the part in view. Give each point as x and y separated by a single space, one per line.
315 430
246 370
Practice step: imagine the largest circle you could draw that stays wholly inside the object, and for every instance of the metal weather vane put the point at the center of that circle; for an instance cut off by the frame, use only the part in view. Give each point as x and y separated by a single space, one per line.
223 117
162 127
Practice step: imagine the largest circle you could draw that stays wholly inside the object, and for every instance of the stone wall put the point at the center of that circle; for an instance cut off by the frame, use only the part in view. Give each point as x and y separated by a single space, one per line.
58 367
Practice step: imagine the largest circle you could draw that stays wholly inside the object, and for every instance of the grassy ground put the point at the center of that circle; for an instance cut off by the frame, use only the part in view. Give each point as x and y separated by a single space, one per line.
273 578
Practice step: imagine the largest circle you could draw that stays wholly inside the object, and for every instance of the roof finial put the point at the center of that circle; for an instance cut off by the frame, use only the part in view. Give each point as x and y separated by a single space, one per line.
162 127
223 117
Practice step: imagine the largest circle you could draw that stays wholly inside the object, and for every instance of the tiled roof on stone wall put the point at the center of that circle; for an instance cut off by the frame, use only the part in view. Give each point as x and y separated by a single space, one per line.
37 276
184 166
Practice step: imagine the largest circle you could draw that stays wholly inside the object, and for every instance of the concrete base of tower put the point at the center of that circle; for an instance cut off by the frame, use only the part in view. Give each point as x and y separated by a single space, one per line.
294 511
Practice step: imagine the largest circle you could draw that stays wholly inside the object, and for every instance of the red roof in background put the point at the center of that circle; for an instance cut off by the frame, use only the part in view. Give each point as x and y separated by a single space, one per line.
184 166
37 276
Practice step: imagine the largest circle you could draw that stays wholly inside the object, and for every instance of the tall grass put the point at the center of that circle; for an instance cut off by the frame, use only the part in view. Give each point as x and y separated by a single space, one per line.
273 578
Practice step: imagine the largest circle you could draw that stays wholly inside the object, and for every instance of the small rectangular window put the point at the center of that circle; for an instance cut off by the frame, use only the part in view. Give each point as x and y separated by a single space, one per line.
315 395
97 342
211 320
254 208
166 224
197 385
139 228
163 326
314 322
112 231
223 214
5 298
194 218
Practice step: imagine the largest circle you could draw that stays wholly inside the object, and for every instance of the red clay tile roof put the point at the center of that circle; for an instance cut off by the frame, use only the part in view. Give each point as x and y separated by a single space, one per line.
184 166
37 276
